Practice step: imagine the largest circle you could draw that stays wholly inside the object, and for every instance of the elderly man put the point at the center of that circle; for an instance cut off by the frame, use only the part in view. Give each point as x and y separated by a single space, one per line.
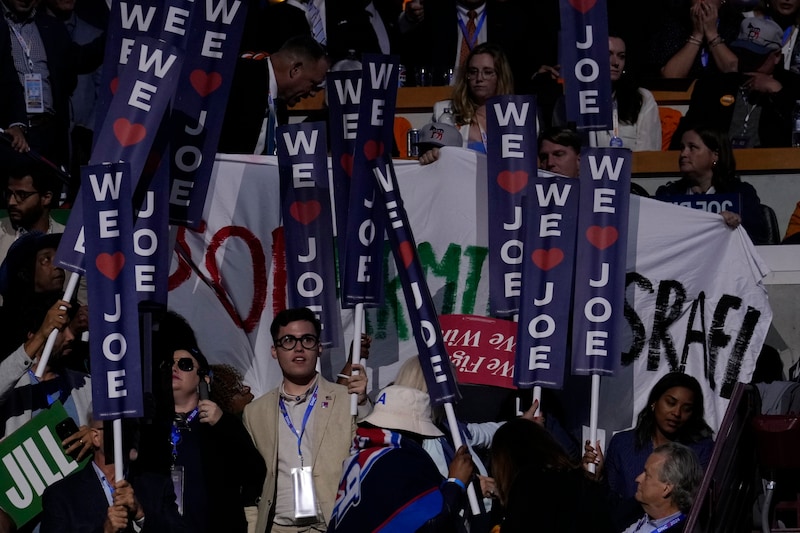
667 488
303 429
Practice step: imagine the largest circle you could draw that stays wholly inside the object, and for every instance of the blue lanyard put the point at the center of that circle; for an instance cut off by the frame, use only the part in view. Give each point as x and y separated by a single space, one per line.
51 398
465 32
175 436
288 420
664 527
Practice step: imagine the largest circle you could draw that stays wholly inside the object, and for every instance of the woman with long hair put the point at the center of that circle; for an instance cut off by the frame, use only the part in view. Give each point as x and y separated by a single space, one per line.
486 73
674 413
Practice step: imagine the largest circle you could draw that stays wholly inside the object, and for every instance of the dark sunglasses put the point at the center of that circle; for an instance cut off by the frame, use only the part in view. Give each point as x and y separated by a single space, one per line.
184 363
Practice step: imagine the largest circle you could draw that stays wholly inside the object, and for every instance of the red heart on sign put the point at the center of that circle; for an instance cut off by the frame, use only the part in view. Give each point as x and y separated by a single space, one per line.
583 5
373 149
347 164
114 84
406 253
127 133
602 238
547 259
110 265
305 212
205 83
512 182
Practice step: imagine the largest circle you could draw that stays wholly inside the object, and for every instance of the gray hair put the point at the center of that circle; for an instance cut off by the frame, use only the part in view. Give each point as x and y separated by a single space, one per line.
682 470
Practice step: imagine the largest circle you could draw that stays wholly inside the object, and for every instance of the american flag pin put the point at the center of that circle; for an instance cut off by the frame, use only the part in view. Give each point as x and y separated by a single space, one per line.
324 405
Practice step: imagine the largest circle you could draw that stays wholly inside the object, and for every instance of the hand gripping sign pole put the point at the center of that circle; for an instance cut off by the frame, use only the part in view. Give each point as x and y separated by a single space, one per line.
72 284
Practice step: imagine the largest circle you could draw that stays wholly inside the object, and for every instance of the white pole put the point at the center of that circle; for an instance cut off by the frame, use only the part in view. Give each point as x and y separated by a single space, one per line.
537 397
358 327
51 339
457 442
118 470
594 409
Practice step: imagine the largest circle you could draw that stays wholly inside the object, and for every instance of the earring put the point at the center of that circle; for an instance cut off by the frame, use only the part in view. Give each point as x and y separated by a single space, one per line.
714 163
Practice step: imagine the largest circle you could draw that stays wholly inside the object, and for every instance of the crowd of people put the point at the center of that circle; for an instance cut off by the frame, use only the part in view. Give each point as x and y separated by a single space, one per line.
295 459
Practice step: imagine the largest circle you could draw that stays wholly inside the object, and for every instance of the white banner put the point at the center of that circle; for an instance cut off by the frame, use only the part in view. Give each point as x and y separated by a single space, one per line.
680 261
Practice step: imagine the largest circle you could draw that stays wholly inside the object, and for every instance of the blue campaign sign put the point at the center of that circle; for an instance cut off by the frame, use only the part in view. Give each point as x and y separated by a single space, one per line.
307 226
113 304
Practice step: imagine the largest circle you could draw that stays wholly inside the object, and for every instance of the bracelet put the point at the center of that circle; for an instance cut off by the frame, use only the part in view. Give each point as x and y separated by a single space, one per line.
694 40
457 482
343 376
716 41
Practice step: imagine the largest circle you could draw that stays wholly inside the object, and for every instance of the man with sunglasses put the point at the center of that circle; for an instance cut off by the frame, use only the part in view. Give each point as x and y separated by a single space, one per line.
29 195
303 429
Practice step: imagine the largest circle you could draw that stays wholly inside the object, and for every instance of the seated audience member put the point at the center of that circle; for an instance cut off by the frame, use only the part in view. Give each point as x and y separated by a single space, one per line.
23 395
31 193
221 473
560 152
228 391
692 39
708 166
754 105
793 229
666 489
539 487
674 413
389 481
485 74
93 500
303 429
637 125
787 14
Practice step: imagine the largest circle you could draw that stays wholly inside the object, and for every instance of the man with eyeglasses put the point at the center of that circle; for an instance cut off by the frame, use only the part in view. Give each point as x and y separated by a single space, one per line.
303 429
30 194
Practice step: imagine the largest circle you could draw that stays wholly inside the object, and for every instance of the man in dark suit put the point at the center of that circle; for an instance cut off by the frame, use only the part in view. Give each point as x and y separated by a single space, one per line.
263 86
363 26
42 41
90 500
436 31
13 118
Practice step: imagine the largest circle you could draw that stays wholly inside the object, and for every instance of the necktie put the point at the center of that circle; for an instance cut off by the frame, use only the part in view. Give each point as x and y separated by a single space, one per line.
314 18
468 38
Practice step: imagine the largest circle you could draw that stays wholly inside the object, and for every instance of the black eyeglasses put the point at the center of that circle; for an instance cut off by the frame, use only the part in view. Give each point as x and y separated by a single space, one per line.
288 342
184 363
19 196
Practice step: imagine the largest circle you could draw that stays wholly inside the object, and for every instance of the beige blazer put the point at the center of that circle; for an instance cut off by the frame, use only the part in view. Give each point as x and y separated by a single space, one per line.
332 432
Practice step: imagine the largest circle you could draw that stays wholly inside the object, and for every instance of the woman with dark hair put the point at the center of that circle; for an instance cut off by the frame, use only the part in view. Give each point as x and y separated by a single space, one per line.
539 485
674 413
636 123
707 166
486 73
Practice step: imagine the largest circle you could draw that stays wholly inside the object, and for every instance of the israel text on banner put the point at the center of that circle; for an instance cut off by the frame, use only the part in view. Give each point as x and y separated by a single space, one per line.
199 104
583 55
32 459
550 230
344 97
308 225
599 302
129 129
512 159
113 303
433 356
236 275
362 278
